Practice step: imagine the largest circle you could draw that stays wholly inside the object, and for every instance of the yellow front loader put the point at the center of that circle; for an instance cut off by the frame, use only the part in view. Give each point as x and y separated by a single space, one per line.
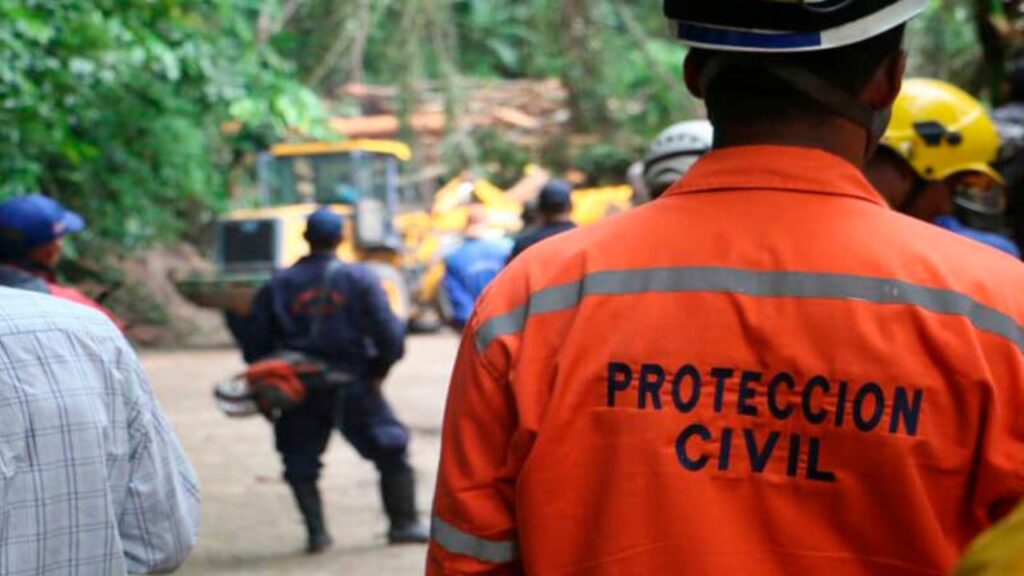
359 179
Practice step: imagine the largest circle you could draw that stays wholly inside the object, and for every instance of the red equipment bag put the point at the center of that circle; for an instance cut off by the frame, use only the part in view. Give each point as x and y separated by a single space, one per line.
280 383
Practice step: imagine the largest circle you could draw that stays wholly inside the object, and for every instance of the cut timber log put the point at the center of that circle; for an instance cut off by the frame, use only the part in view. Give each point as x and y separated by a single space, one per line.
388 126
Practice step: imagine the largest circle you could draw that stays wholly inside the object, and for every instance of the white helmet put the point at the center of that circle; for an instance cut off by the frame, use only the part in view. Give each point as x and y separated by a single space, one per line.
786 25
728 27
674 152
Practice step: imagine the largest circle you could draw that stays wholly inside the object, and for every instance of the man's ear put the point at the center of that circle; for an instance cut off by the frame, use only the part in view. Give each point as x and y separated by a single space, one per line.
692 72
883 89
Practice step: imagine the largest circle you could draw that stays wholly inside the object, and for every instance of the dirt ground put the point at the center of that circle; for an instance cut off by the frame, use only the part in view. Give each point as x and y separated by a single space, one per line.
250 525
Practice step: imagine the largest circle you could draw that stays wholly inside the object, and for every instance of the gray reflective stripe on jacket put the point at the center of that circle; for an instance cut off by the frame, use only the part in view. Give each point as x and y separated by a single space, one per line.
753 283
456 541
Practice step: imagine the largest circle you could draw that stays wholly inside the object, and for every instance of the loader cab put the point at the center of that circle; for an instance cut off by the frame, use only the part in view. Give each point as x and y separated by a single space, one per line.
359 177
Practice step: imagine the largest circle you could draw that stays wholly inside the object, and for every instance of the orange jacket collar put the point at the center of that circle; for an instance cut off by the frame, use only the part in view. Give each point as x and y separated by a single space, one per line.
783 168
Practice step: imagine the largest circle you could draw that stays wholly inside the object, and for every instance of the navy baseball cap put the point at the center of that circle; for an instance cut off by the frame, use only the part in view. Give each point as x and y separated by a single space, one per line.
27 222
556 195
325 225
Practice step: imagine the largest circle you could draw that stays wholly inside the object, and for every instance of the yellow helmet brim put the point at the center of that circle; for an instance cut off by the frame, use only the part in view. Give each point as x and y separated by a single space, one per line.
985 169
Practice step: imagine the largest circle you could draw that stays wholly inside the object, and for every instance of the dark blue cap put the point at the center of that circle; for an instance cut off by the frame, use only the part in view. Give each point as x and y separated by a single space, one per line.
325 225
555 196
27 222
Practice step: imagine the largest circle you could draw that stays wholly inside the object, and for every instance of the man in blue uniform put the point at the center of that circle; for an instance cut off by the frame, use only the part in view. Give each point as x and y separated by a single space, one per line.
337 313
471 267
555 207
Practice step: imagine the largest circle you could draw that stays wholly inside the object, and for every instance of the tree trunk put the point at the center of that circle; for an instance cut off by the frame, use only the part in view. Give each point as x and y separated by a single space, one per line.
582 76
357 54
266 26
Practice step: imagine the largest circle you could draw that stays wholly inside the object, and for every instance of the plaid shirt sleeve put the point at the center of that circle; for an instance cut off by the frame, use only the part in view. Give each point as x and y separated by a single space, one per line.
159 522
93 481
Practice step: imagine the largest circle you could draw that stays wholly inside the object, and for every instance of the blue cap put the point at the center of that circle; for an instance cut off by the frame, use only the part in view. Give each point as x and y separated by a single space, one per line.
27 222
556 196
325 225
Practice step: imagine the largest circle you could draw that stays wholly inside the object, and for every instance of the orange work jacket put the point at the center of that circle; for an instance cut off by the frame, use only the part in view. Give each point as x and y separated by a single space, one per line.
765 372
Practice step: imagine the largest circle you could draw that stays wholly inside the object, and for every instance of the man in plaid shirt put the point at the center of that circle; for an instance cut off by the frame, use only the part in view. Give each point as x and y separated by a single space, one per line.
92 479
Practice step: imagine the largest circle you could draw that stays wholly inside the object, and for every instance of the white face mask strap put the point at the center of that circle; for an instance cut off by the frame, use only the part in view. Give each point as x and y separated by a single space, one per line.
825 93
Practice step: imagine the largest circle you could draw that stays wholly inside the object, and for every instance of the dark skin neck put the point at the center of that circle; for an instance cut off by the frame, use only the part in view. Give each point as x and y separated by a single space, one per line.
34 268
829 132
40 261
558 218
832 134
323 251
897 182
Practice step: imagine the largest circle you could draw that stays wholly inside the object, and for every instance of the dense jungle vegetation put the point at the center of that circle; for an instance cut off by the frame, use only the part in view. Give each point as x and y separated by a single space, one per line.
117 107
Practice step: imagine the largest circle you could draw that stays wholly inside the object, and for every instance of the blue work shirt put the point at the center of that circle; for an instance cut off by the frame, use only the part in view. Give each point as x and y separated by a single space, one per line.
357 330
531 237
997 241
469 269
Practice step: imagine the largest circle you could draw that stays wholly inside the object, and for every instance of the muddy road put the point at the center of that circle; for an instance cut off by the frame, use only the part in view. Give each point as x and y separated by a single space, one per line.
250 524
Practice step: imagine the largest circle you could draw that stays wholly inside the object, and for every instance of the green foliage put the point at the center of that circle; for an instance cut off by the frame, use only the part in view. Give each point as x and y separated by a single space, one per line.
616 56
943 43
135 302
501 160
498 36
115 106
605 164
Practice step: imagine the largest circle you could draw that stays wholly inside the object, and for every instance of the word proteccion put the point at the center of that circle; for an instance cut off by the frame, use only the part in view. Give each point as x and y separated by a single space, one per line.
818 401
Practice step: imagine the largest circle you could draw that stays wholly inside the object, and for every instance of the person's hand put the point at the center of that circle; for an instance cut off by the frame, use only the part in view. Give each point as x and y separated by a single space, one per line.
529 186
535 171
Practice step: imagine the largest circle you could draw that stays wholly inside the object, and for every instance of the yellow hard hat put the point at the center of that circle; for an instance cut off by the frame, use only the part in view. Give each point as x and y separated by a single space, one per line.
998 552
940 130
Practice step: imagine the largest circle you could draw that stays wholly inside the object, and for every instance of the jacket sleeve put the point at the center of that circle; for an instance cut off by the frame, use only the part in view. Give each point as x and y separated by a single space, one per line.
159 523
382 326
259 332
474 529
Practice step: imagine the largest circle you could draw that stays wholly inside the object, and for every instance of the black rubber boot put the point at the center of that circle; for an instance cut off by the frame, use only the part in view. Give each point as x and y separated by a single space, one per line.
307 496
398 490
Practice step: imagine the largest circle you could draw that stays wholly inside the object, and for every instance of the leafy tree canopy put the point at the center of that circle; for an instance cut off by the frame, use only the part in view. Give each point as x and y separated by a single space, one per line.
115 106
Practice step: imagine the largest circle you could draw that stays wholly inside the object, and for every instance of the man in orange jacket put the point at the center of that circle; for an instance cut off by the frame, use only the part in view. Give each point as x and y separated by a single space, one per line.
764 372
